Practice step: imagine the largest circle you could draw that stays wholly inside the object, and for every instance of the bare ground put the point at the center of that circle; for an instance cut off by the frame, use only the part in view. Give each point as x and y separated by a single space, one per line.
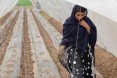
4 18
106 63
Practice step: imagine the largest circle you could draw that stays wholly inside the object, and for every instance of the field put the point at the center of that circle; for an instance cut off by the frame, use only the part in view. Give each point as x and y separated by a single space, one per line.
28 46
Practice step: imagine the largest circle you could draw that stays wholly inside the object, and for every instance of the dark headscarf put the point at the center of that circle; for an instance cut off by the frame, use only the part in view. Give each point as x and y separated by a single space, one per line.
70 28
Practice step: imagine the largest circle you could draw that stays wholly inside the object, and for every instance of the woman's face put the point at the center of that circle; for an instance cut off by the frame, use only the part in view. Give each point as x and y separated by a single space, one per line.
79 15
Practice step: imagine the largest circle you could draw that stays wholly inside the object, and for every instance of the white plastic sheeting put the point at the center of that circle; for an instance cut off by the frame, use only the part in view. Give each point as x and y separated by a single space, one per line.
107 32
10 66
102 12
44 67
106 8
6 6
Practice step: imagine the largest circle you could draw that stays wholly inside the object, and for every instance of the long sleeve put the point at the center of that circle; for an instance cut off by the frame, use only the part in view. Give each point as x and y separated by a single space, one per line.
93 34
66 35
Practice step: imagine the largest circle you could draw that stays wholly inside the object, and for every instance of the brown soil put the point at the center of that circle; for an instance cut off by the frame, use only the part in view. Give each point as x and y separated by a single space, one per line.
51 48
106 63
4 44
57 25
4 18
26 61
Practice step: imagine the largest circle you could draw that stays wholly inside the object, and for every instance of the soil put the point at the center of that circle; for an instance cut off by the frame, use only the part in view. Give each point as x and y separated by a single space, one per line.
26 61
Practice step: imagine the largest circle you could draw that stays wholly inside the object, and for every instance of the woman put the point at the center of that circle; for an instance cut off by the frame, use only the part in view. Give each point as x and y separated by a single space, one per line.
79 35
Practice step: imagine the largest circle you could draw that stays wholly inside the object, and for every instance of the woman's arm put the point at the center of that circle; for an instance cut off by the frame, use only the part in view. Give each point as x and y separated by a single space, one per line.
60 49
84 24
59 52
65 39
87 28
93 32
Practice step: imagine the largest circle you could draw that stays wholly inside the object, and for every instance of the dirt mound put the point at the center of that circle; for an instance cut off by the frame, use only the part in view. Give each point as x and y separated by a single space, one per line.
106 63
4 18
26 61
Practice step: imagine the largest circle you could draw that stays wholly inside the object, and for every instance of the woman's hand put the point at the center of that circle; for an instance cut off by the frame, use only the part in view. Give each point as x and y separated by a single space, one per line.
84 24
60 51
